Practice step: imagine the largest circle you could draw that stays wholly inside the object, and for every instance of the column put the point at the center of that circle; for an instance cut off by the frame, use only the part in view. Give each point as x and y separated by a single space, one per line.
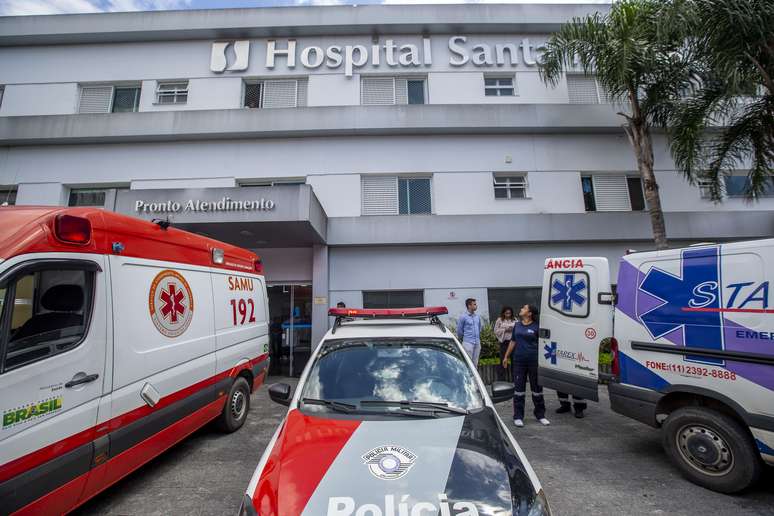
320 300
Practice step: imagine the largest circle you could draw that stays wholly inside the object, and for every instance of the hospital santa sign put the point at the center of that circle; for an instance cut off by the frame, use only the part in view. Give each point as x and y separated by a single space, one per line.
234 56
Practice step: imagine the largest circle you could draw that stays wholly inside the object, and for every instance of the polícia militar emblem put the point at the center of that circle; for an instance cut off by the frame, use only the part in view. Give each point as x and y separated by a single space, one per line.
171 303
389 462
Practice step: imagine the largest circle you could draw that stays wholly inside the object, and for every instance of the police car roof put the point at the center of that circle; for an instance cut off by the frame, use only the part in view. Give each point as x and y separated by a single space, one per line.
32 229
369 328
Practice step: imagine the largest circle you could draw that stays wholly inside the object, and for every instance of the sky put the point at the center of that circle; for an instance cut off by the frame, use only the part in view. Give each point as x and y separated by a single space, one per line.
30 7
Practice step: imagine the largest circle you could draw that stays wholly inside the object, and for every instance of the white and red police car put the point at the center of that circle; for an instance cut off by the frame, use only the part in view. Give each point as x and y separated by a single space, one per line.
390 418
118 338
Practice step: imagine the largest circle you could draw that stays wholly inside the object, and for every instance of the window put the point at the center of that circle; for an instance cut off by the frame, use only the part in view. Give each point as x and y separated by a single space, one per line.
108 98
284 93
510 187
584 89
605 192
126 100
515 297
47 310
737 186
382 370
705 189
393 299
499 86
2 90
385 91
87 197
414 196
172 92
7 196
391 195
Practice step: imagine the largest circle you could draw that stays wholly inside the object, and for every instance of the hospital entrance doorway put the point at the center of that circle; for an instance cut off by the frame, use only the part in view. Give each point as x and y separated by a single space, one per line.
290 328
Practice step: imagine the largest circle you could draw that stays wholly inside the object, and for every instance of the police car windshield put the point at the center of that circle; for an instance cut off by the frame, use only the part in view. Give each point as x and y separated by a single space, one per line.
389 370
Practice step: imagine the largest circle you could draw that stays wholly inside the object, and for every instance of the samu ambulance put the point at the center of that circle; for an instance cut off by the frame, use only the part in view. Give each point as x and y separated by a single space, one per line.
692 331
118 338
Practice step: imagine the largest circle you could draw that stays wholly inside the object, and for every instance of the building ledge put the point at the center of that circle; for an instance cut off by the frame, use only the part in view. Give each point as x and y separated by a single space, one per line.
541 228
311 121
288 22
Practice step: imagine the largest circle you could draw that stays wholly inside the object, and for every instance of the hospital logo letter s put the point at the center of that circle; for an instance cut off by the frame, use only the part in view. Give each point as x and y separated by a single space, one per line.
704 294
219 58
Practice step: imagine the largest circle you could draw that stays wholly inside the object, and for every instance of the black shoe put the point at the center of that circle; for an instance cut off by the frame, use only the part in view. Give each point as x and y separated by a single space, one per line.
579 414
564 409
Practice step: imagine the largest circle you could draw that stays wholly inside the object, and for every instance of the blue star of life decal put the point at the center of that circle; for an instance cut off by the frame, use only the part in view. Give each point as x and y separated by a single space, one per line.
690 302
550 353
569 292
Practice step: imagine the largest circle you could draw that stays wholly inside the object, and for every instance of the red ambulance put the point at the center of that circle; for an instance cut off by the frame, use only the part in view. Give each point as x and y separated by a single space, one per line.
118 338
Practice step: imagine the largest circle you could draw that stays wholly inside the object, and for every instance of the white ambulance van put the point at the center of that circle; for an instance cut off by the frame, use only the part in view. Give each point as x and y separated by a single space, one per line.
118 338
692 331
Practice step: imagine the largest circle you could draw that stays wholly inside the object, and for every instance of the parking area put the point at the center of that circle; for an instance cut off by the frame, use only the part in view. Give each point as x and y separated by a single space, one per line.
604 464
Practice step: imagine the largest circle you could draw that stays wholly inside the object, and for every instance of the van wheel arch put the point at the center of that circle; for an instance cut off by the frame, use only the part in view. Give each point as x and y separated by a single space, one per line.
247 375
679 396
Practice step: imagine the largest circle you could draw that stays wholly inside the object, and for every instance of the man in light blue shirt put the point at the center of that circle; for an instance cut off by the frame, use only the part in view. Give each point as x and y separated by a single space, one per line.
469 330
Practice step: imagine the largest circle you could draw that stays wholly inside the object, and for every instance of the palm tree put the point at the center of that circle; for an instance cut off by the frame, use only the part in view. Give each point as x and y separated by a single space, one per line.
635 53
728 123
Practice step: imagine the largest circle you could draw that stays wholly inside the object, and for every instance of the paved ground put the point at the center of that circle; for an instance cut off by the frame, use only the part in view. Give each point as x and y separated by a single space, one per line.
604 464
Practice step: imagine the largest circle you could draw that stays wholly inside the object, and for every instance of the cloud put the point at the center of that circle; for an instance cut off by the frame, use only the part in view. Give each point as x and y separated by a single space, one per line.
31 7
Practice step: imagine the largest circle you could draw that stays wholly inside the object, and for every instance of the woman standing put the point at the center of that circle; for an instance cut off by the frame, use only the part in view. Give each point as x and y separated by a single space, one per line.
525 365
503 329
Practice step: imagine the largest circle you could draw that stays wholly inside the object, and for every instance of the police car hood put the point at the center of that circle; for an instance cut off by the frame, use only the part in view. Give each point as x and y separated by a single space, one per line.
450 465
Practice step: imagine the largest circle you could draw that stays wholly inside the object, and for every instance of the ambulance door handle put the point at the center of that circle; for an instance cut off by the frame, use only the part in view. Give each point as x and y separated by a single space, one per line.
79 380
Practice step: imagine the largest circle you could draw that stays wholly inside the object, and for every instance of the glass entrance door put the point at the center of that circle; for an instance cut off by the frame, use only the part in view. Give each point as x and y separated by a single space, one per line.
290 311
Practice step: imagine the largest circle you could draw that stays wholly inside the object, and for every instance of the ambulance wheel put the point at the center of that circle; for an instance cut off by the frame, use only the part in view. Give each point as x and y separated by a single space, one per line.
711 449
236 408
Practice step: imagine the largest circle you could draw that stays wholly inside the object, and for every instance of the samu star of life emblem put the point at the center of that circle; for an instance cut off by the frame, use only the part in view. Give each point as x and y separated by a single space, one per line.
389 462
171 303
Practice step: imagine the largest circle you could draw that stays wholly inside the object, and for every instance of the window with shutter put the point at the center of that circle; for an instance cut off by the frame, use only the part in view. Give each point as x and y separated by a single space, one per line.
279 94
379 195
377 91
582 89
611 193
252 95
95 99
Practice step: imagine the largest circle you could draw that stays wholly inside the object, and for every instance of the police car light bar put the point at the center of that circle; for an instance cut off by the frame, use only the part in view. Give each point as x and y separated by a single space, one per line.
431 312
391 313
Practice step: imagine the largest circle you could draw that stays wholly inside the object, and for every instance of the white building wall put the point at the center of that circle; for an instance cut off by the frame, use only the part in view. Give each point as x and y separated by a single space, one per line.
339 194
41 194
39 99
204 182
333 90
468 88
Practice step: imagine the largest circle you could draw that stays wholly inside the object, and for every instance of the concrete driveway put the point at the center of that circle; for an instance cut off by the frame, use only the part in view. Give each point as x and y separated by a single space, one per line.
604 464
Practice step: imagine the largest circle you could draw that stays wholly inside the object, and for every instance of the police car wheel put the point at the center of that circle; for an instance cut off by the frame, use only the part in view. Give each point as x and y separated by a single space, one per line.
236 407
711 449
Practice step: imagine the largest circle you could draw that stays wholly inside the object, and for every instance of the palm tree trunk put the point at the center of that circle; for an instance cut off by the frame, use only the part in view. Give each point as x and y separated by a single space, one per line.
642 141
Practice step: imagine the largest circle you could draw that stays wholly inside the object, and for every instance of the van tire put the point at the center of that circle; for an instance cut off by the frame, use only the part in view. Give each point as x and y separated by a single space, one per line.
716 452
236 407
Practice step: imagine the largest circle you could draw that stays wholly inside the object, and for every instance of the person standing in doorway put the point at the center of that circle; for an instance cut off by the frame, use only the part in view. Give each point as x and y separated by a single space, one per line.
578 404
341 304
503 329
469 330
524 347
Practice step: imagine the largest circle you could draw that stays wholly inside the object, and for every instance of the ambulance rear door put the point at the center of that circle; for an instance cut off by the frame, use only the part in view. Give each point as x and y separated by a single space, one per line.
576 314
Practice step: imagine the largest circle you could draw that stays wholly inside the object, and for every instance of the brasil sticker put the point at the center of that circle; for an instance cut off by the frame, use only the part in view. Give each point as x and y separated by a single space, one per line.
32 411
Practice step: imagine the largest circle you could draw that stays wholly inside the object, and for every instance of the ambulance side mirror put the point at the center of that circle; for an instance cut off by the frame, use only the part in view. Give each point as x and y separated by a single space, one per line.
281 393
502 391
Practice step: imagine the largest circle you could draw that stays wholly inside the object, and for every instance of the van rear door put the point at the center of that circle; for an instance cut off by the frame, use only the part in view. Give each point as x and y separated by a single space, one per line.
576 314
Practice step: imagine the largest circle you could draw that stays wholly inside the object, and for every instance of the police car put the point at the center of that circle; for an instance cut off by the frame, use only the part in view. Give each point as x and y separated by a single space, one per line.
118 338
390 418
691 331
